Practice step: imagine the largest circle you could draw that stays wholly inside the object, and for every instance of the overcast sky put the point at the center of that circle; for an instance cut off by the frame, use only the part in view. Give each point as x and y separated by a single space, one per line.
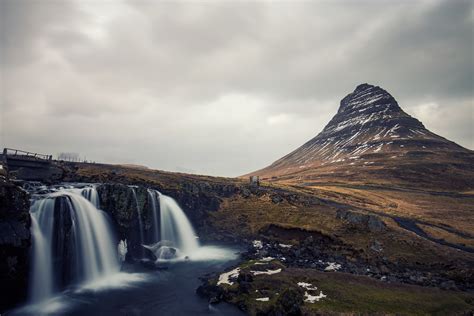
222 88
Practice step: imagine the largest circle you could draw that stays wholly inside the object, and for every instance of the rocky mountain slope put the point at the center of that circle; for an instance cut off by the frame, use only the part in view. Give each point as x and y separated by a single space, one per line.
371 139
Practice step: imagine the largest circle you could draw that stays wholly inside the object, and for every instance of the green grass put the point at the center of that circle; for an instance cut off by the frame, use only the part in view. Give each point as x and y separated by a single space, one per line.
369 296
350 294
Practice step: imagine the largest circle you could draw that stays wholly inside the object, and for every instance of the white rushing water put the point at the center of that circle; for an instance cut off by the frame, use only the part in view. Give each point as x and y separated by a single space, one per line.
172 231
75 258
42 216
175 226
90 193
90 245
153 197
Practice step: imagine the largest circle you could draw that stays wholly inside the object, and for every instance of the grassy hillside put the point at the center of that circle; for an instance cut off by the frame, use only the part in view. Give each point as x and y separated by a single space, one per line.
385 237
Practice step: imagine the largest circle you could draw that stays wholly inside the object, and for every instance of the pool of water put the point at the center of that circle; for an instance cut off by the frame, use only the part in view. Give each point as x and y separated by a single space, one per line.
140 291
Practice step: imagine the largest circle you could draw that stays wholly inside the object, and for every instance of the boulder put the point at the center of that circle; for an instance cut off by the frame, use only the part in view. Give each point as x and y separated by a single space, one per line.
367 221
276 199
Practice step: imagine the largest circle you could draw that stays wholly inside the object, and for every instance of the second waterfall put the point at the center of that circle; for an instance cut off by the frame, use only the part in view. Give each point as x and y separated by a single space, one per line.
172 236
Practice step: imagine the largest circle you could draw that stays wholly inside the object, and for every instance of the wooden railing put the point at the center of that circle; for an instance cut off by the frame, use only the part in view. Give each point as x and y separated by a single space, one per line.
10 152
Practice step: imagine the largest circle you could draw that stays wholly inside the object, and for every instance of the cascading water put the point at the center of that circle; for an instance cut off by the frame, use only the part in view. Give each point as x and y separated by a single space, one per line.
176 234
139 216
42 218
141 228
72 242
153 196
175 226
90 193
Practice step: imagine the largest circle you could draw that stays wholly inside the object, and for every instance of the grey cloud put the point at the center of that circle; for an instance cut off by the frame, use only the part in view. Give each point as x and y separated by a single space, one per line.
222 87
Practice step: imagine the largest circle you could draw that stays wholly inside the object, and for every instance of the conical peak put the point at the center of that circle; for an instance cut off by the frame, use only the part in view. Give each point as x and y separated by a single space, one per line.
369 135
367 96
363 86
368 110
368 88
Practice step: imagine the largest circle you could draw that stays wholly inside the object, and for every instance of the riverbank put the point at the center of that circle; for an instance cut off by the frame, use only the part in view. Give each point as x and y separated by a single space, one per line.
331 293
266 285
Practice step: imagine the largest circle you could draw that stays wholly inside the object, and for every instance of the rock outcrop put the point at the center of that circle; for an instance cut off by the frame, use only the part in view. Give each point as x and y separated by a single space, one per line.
369 222
14 244
124 202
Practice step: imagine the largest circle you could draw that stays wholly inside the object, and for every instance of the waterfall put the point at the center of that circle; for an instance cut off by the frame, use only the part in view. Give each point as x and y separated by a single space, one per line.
155 227
42 216
175 226
171 228
139 216
72 242
91 194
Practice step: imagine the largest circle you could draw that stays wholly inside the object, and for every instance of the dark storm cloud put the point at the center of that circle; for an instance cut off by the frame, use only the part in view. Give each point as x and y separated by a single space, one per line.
222 87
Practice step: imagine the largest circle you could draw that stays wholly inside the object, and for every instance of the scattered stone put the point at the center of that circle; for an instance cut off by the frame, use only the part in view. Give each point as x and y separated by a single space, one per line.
276 199
448 285
257 244
376 246
214 300
246 193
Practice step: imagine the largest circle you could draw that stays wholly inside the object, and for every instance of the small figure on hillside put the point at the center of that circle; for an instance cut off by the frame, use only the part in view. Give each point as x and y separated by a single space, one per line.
255 180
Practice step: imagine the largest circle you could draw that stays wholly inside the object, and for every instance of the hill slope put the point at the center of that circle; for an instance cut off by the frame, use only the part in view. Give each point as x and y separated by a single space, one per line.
372 140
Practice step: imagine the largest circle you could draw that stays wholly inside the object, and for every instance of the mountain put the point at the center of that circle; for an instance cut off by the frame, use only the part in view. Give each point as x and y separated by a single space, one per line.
372 140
